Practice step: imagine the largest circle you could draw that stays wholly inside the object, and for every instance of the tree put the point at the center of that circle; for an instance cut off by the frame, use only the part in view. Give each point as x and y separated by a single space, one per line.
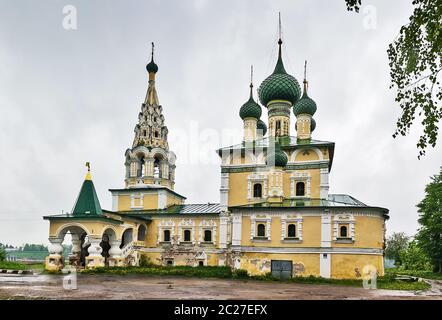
414 258
430 218
397 242
415 61
2 254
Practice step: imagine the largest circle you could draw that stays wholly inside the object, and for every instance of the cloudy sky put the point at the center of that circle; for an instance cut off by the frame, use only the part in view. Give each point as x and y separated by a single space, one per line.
71 96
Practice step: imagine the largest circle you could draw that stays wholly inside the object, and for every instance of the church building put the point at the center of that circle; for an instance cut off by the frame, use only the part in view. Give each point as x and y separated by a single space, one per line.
275 213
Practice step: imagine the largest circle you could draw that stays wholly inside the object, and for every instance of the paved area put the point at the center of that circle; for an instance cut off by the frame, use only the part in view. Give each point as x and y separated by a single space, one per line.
154 287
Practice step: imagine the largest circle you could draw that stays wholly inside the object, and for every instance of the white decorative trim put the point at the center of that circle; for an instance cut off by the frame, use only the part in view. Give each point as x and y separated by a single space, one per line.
236 229
166 225
134 197
253 179
345 218
324 186
297 151
280 250
162 199
325 265
257 219
207 225
326 229
186 224
286 220
224 192
114 202
300 176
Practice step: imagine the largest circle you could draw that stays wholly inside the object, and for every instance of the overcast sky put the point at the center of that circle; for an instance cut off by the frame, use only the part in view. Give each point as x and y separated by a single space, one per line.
71 96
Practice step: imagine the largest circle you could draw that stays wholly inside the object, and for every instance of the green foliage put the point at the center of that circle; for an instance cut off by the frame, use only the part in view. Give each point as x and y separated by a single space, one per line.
12 265
240 274
145 261
414 258
397 242
2 254
33 247
414 273
186 271
353 5
430 219
415 61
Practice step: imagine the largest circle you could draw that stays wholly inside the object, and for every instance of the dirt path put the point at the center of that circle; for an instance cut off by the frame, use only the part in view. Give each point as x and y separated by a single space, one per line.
153 287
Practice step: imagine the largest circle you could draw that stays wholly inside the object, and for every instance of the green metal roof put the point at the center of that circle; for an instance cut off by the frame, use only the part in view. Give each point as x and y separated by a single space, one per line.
87 202
333 200
194 208
286 143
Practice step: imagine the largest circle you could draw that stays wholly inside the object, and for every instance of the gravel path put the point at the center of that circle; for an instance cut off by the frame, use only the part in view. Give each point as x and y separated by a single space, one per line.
155 287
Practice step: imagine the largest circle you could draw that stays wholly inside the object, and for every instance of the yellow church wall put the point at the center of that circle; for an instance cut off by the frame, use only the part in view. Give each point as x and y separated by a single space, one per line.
369 233
92 228
238 188
310 156
350 266
311 233
152 229
181 259
260 263
150 201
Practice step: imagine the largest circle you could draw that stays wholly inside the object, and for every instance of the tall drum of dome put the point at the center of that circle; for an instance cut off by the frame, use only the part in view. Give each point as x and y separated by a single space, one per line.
304 110
279 92
250 112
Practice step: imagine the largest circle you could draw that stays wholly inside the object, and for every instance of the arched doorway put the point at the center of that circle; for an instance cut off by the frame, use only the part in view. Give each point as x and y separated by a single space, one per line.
127 237
74 244
141 233
108 239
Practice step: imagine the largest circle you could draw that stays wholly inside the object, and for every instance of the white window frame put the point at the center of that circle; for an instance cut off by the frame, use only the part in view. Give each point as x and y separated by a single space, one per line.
257 219
166 225
207 225
186 224
344 218
291 219
253 179
300 176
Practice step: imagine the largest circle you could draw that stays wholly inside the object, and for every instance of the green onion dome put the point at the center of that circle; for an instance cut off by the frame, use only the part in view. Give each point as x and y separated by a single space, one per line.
152 66
304 105
250 109
312 125
279 85
262 126
278 157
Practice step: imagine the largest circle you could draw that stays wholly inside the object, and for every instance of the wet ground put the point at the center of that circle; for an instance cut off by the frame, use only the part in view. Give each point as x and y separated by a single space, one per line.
153 287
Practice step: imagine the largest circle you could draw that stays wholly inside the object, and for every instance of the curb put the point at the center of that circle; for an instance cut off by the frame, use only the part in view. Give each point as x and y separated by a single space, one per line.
8 271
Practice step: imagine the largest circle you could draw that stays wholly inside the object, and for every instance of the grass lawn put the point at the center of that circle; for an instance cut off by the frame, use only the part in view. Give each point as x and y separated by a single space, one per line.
20 266
419 274
386 282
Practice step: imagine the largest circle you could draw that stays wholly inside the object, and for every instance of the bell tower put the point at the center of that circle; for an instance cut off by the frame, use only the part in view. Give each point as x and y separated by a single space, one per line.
149 162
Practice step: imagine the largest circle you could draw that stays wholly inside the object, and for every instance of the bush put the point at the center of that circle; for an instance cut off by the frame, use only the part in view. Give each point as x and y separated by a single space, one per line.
145 261
240 274
413 258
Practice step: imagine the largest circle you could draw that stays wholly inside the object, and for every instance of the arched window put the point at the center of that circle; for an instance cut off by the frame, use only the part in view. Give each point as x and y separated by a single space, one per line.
166 236
156 169
144 133
207 236
300 189
291 232
141 233
187 235
257 190
156 134
201 263
278 128
343 231
261 230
